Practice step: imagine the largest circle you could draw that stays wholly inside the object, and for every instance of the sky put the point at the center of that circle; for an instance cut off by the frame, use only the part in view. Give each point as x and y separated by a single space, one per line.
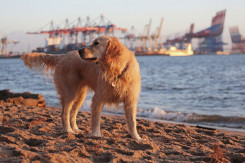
20 16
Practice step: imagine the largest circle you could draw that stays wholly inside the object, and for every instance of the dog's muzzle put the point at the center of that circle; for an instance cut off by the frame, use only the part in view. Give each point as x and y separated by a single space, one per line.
81 52
82 56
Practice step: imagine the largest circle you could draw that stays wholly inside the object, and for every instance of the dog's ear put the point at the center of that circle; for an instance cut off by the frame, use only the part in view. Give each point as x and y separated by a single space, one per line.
114 49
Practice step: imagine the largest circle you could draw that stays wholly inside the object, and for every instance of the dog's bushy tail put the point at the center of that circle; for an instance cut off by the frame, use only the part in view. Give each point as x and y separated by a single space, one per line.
41 61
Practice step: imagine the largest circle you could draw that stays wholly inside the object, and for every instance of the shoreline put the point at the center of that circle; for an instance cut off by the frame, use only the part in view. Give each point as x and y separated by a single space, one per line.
233 131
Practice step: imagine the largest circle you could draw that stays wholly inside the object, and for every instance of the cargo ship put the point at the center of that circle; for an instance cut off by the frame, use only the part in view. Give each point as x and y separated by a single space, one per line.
173 51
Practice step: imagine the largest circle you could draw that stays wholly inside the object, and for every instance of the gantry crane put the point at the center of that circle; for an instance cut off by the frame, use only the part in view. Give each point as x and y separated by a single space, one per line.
143 39
238 41
156 37
146 38
149 36
72 31
181 40
4 49
211 37
130 38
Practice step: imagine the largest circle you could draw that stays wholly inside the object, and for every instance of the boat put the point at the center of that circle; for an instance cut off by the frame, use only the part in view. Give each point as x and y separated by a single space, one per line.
9 56
173 51
223 53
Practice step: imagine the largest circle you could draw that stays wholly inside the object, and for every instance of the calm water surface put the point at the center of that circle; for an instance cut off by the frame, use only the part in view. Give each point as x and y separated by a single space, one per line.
208 89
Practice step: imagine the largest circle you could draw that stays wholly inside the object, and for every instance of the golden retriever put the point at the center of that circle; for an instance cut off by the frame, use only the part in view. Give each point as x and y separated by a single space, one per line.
107 67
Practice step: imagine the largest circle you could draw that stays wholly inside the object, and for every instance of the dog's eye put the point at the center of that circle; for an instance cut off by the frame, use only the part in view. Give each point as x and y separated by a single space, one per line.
96 43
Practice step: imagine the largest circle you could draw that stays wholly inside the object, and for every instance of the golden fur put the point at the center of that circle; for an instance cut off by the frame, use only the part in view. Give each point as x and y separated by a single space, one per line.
107 67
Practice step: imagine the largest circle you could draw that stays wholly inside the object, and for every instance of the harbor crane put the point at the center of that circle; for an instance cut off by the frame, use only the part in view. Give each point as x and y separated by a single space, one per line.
147 37
238 41
157 36
210 39
181 40
4 43
79 34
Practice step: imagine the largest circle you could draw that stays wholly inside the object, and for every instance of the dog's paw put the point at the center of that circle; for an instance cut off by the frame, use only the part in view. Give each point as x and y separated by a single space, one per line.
70 131
98 135
141 140
137 137
77 131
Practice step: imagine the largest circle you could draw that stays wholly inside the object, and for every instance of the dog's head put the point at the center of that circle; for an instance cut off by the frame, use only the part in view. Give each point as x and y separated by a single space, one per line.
103 48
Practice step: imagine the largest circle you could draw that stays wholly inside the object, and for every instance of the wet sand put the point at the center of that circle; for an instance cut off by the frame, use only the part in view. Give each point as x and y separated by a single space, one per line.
34 134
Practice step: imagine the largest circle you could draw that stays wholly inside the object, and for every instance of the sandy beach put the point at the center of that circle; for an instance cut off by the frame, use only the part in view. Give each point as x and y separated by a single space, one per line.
32 132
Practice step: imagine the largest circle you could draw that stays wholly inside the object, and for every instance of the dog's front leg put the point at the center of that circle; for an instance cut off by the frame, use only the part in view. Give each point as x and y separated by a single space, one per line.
130 115
96 109
65 116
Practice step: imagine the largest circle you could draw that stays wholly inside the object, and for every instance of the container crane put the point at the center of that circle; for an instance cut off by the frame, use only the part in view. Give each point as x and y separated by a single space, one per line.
238 41
143 38
89 29
4 49
157 36
146 38
130 38
181 40
211 37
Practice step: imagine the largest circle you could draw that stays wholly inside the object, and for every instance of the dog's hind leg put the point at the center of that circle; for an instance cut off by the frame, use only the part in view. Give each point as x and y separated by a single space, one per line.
130 115
80 97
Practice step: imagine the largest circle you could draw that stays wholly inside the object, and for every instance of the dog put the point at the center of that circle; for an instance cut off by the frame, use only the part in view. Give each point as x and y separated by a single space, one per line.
107 67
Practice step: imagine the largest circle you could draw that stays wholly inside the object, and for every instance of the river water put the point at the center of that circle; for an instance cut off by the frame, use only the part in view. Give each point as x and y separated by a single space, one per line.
199 89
